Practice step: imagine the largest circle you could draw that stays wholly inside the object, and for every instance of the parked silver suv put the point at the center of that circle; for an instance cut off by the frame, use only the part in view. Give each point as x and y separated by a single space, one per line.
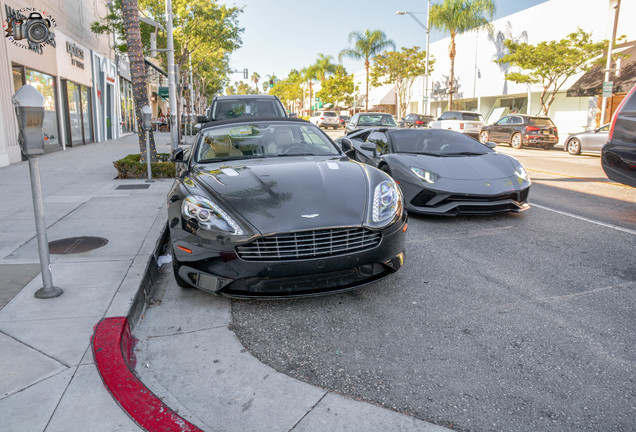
325 119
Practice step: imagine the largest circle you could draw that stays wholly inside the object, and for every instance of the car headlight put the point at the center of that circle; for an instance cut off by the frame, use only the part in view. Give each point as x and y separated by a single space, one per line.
209 215
426 175
521 173
387 201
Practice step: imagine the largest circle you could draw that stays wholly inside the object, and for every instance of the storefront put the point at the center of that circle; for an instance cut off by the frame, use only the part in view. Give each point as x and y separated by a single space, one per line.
75 77
128 120
105 99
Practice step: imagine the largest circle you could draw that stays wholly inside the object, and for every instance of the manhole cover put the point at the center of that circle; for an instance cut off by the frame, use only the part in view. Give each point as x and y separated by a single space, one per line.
76 245
134 186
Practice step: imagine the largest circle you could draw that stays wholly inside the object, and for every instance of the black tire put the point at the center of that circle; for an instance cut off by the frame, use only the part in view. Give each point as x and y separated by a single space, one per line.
176 265
573 146
516 141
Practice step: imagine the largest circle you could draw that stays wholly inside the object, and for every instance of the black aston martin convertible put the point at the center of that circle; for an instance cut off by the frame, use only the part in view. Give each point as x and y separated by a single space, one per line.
258 209
443 172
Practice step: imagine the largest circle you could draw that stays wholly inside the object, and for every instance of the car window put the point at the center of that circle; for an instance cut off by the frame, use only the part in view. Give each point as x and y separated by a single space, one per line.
472 117
604 128
261 139
540 121
515 120
376 120
380 141
437 142
502 121
238 108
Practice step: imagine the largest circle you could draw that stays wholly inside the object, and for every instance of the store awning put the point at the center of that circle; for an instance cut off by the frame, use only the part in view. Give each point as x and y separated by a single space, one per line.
591 83
384 95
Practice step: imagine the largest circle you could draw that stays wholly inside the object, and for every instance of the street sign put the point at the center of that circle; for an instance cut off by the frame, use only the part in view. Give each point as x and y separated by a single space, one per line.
607 88
425 99
163 92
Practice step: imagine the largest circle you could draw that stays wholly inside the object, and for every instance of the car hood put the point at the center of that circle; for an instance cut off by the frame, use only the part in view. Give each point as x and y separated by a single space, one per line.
289 194
488 166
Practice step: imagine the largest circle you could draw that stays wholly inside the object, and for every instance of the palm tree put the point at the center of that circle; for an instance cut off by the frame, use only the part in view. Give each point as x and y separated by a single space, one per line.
456 17
255 77
309 75
366 45
320 70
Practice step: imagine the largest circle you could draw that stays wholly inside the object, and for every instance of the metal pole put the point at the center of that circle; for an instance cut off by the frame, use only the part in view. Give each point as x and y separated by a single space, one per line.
48 290
428 30
191 99
148 163
172 85
617 7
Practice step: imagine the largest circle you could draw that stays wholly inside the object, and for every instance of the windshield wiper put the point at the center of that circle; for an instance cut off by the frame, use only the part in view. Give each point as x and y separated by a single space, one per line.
465 154
421 153
296 154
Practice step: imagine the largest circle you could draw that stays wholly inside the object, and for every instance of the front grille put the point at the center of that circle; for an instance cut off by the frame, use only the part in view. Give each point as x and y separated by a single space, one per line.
309 244
423 198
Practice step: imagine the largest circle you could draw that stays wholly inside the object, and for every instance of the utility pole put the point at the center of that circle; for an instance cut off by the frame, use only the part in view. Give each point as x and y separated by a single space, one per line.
172 85
617 7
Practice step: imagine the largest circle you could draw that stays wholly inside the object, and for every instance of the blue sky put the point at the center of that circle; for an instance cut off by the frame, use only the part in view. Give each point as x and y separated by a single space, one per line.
284 34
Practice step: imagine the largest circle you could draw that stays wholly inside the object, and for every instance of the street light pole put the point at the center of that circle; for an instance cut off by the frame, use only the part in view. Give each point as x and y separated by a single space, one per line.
425 98
617 7
172 87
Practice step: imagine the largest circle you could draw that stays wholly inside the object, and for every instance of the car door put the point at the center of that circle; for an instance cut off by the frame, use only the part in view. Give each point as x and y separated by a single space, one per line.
497 132
512 126
380 141
594 142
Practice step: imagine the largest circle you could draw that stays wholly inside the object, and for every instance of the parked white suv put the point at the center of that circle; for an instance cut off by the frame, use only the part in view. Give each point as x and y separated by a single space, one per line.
325 119
468 122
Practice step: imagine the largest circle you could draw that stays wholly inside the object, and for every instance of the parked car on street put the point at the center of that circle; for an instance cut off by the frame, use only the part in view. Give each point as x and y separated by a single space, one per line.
343 120
587 142
259 210
242 106
414 120
467 122
521 130
370 119
325 119
443 172
618 156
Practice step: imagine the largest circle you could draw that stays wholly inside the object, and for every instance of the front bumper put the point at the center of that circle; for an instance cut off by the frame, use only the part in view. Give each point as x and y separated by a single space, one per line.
489 199
216 268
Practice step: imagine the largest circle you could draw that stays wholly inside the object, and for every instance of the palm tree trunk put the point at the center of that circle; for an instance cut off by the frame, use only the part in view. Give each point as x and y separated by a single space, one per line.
130 10
366 96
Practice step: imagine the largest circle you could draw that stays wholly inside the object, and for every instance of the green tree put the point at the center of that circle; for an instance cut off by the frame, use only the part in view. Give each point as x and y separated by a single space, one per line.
290 90
400 68
365 46
338 88
551 63
456 17
255 78
319 71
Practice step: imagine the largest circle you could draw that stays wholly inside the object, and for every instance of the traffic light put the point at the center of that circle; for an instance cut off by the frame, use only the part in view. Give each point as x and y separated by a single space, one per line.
245 73
271 83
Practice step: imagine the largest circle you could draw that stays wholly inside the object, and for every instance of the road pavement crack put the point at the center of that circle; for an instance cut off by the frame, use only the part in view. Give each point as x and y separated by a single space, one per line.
310 410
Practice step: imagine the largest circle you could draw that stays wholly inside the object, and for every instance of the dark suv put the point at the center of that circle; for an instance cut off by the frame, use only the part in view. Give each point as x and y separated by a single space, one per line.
229 107
520 130
618 155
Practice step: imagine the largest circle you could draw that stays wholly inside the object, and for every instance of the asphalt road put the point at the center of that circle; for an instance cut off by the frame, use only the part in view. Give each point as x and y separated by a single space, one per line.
500 323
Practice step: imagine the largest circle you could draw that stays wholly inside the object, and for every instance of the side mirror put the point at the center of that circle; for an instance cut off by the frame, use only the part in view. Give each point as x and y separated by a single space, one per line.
368 147
293 115
177 156
491 145
202 119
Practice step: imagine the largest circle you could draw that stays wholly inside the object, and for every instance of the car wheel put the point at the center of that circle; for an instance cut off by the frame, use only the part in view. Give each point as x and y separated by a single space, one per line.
516 143
574 146
483 137
176 265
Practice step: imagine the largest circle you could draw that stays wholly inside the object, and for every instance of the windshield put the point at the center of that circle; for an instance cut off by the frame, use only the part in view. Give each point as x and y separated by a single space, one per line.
262 140
472 117
436 143
539 121
238 108
376 120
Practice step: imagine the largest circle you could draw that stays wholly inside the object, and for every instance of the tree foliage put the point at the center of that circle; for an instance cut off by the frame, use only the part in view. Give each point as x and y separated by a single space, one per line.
290 90
456 17
365 46
337 88
400 68
551 63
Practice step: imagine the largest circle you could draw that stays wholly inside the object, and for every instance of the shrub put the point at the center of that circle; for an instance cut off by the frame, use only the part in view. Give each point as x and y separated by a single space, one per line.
131 167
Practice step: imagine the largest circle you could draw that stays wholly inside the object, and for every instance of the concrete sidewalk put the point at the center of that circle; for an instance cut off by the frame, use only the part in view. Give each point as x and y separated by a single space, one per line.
47 377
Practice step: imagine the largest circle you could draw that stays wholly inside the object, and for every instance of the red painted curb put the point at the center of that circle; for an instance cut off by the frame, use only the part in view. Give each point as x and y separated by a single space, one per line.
113 350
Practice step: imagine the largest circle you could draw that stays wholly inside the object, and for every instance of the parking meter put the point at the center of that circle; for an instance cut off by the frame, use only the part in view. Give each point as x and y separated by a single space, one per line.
146 115
29 109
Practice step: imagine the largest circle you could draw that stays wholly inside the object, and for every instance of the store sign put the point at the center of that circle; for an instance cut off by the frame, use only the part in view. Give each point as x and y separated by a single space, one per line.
607 88
164 92
77 54
29 28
